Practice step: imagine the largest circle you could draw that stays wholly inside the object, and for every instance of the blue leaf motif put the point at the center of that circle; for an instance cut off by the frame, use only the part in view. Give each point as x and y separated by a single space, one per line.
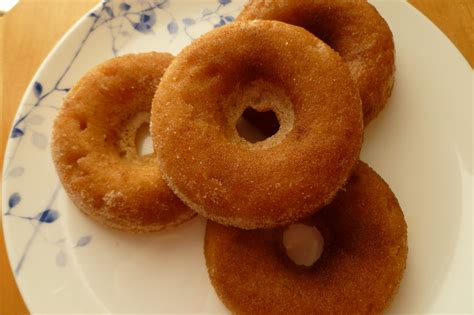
144 18
14 199
188 21
229 18
146 22
142 27
225 2
206 12
173 27
221 22
17 171
39 140
109 11
83 241
61 258
124 6
38 89
17 132
149 17
93 14
48 216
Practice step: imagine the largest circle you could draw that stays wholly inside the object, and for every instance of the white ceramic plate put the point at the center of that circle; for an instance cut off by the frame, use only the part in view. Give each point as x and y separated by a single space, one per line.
421 144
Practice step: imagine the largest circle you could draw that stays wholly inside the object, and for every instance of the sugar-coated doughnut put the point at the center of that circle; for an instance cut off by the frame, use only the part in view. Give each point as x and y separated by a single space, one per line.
278 180
94 150
353 28
359 271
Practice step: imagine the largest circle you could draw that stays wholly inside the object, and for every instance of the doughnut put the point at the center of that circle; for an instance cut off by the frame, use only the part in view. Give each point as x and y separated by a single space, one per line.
271 182
358 272
354 29
94 146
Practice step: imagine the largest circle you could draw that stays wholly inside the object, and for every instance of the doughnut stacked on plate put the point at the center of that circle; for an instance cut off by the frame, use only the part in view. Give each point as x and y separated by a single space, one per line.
306 172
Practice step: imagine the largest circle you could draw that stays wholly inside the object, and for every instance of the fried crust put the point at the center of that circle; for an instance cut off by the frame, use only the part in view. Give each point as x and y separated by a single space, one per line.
354 29
283 178
359 272
94 150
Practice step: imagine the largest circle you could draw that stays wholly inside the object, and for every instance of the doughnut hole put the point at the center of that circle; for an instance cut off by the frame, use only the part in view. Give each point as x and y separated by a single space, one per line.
270 183
260 114
255 126
134 138
143 141
303 244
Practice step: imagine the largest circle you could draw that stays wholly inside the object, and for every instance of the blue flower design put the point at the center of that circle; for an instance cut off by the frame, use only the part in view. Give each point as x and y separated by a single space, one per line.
109 11
121 18
17 132
14 199
189 21
124 6
38 89
146 22
48 216
61 256
172 27
221 23
83 241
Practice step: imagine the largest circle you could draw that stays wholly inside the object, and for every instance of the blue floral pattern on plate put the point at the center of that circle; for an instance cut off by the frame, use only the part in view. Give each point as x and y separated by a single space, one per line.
36 212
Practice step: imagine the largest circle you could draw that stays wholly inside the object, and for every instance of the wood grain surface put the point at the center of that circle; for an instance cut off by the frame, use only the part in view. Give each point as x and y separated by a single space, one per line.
32 28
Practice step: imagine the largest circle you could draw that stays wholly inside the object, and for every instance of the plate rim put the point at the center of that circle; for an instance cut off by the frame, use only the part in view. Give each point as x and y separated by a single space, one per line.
10 146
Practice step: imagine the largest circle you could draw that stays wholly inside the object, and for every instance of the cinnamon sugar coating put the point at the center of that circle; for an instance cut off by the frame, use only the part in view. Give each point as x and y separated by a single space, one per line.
283 178
359 271
353 28
94 150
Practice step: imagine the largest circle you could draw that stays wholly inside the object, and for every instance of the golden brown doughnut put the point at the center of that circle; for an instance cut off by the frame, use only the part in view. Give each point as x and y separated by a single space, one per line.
353 28
94 149
359 271
272 182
